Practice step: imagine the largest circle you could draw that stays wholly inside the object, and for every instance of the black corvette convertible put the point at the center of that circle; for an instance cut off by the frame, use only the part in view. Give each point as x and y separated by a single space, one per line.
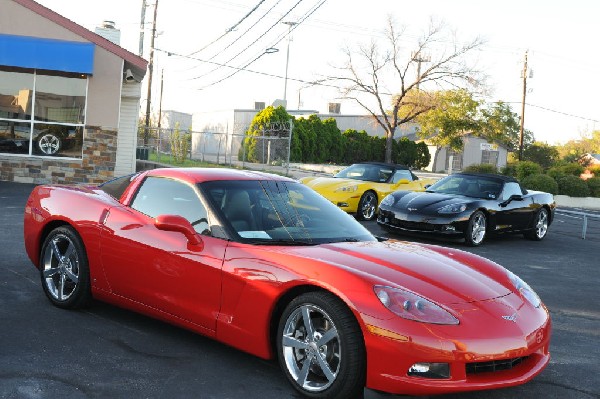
469 205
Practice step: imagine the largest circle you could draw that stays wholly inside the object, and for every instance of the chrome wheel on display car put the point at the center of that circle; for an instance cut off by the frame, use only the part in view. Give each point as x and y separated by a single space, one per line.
64 269
320 347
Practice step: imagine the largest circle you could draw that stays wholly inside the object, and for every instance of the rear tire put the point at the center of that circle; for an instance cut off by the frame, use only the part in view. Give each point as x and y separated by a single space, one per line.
540 226
64 269
320 347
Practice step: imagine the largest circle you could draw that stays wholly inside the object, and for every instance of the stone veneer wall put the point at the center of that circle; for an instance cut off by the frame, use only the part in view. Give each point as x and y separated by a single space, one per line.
96 166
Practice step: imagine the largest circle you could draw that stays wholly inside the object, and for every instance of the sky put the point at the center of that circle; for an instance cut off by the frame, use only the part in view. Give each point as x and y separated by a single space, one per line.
195 38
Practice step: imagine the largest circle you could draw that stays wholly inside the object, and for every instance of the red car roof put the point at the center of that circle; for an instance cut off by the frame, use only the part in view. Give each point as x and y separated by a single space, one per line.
199 175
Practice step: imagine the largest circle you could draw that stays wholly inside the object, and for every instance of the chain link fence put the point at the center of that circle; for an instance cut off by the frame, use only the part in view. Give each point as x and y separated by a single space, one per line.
268 146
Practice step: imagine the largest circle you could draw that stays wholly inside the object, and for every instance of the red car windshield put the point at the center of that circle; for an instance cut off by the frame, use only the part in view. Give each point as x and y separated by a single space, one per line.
279 212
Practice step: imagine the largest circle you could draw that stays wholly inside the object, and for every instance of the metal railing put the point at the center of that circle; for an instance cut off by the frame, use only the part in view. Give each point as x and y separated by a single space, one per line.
584 216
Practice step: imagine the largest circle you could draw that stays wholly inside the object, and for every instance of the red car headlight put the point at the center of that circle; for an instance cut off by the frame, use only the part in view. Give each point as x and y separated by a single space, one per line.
524 289
412 306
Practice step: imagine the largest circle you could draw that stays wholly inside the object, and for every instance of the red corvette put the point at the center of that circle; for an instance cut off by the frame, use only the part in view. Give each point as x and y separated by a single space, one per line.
266 265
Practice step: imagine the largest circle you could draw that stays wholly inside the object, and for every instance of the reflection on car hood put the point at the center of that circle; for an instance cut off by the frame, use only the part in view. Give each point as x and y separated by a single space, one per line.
438 275
423 200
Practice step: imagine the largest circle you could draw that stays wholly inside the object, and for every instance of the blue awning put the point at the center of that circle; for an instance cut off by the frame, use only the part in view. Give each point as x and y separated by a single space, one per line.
51 54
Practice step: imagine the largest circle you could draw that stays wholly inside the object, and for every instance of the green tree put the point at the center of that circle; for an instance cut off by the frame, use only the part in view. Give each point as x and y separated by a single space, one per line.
500 124
455 114
423 155
307 138
572 150
358 146
541 153
269 122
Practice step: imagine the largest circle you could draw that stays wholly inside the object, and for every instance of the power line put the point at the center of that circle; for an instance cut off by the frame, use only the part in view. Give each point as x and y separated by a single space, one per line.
292 28
250 45
230 29
563 113
239 69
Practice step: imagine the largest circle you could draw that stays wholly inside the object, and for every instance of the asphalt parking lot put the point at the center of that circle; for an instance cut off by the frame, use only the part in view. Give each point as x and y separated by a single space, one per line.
106 352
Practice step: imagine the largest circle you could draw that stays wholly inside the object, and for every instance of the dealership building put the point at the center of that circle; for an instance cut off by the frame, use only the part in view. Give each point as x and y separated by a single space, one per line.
69 98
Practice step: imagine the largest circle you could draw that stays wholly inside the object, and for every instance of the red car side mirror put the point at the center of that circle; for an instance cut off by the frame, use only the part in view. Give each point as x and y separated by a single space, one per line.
179 224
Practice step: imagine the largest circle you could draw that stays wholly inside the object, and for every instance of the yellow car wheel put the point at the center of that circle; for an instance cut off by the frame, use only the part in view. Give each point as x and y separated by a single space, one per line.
367 206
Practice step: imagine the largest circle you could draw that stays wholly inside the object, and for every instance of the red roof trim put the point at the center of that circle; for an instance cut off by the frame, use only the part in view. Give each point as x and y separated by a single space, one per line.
79 30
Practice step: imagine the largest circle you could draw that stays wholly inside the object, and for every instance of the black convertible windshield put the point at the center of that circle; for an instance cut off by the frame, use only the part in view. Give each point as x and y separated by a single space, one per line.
468 185
281 213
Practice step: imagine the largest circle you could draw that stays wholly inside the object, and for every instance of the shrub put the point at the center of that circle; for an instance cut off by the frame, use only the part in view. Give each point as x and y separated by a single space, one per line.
594 186
510 169
568 169
555 172
481 168
540 182
572 186
180 144
574 169
527 168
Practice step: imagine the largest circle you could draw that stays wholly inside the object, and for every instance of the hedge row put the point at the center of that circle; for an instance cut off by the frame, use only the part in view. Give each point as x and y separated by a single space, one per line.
321 141
562 179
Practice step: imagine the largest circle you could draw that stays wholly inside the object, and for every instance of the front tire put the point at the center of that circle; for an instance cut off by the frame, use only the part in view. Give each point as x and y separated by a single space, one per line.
367 206
540 226
64 269
320 347
476 229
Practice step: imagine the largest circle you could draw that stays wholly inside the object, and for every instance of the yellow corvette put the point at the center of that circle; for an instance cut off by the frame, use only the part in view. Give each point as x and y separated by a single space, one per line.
359 188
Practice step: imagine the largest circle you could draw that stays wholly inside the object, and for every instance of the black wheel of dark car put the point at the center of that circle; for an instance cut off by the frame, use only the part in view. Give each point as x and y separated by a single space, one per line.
367 206
320 347
476 229
64 269
540 226
49 144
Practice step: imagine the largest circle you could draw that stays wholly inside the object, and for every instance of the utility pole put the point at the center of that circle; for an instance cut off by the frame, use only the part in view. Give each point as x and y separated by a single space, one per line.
287 61
524 73
150 68
420 58
142 27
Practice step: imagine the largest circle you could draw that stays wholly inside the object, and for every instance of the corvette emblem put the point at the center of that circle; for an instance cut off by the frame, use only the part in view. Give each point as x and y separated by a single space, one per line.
512 317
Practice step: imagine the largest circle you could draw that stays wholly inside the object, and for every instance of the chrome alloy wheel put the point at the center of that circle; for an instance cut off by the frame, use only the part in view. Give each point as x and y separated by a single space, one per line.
49 144
61 268
541 224
311 348
368 206
478 229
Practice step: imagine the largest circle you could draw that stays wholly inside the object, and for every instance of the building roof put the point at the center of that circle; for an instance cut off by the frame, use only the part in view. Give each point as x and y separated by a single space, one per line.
131 59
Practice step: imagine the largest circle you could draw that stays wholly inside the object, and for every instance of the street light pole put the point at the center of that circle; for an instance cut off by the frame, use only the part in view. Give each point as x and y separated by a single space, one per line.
287 60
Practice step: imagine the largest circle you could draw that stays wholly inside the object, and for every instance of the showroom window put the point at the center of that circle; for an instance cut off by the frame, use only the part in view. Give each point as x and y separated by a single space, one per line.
42 113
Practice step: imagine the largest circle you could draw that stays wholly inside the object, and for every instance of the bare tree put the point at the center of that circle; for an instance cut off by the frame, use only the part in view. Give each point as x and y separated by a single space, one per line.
404 74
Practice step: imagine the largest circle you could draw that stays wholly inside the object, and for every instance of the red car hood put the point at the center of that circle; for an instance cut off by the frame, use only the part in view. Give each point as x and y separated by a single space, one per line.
432 274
